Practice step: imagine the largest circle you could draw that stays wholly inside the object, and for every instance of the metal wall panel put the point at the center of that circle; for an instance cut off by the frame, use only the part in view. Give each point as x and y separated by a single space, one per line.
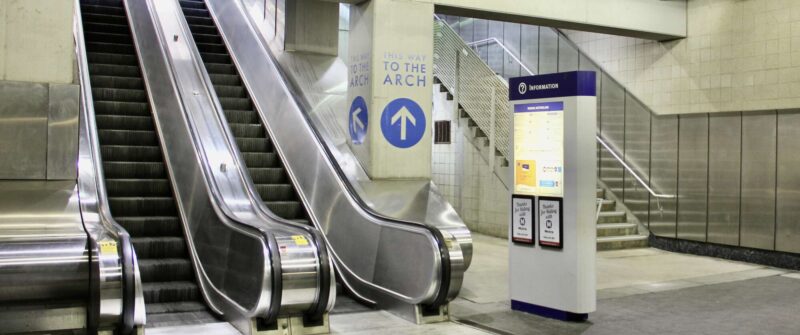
692 177
759 134
481 33
496 53
62 132
23 130
466 29
724 176
548 50
664 175
450 19
612 113
529 47
637 156
511 38
787 234
568 55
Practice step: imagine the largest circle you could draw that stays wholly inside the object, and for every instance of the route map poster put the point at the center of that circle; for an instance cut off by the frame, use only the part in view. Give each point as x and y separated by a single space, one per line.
539 149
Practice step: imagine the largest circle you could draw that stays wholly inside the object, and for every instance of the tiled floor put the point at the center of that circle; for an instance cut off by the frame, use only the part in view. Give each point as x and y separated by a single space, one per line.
640 291
647 281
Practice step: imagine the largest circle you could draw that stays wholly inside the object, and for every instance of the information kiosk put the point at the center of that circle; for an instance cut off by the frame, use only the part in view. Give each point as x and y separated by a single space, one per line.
553 230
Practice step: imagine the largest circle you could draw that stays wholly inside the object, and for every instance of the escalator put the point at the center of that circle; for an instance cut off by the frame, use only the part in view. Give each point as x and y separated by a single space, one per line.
138 186
265 166
411 266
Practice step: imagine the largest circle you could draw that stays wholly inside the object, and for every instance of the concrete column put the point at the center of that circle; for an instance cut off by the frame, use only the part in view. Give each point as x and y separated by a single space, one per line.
312 26
38 97
36 43
390 61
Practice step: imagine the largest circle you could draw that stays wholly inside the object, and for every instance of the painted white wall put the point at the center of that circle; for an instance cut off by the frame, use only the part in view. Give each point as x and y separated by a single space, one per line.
738 56
36 43
465 178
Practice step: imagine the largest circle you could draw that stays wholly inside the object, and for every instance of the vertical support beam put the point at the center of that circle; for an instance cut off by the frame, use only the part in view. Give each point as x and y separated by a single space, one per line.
389 88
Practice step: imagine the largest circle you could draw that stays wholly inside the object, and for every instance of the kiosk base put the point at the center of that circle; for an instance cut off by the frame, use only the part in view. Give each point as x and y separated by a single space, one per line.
548 312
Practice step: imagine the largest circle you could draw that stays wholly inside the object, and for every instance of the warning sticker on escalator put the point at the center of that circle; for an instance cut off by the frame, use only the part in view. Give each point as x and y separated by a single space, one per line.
108 247
300 240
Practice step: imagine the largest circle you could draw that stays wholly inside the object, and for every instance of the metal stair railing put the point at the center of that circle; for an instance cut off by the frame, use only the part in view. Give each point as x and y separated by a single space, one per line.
482 94
459 68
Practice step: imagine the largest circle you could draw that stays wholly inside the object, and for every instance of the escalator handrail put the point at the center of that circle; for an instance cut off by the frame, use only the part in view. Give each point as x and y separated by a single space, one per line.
441 297
96 214
270 272
325 277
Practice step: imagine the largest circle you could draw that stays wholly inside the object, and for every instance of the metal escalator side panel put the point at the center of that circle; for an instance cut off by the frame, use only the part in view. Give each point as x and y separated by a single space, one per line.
116 297
362 242
44 258
306 270
204 175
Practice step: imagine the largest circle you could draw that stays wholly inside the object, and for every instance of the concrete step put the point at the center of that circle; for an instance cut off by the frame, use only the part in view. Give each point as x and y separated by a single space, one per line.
616 229
612 217
601 193
621 242
608 206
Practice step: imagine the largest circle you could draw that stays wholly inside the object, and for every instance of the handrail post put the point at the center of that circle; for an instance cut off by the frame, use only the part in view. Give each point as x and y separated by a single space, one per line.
457 86
492 124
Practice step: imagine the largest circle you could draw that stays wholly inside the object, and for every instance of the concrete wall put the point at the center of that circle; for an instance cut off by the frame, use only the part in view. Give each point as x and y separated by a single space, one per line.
654 19
38 97
738 56
36 43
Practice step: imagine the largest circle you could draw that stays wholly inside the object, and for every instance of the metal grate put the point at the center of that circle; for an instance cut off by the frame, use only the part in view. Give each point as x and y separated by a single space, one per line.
441 132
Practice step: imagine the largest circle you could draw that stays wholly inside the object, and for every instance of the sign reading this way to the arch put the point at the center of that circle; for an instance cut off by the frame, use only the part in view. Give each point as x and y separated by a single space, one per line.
390 62
403 123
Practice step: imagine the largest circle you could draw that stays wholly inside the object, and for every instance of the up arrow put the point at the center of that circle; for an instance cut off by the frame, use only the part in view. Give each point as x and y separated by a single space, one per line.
357 124
404 116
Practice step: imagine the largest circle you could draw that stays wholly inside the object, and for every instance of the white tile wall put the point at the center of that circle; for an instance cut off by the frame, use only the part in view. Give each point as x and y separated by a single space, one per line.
739 55
466 179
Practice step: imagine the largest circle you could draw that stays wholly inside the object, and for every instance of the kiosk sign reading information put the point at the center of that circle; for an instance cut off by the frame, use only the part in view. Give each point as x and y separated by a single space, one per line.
553 230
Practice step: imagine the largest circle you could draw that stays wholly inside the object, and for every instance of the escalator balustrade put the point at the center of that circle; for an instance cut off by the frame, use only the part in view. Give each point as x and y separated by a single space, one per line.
138 186
263 163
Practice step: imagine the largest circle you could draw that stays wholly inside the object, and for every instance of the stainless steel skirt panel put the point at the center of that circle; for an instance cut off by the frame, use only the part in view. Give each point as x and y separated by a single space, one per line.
693 177
637 155
724 177
787 225
44 253
759 155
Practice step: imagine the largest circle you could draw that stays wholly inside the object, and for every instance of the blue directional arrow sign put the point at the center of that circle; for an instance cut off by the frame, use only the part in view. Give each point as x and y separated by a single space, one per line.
358 121
403 123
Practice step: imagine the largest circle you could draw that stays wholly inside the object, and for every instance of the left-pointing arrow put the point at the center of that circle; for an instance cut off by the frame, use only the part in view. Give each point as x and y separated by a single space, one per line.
357 124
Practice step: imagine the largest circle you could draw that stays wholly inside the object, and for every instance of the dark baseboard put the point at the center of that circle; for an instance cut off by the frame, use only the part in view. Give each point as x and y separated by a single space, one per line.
548 312
776 259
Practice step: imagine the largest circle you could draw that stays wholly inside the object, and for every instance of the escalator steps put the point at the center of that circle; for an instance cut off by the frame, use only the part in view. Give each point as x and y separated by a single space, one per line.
139 191
266 168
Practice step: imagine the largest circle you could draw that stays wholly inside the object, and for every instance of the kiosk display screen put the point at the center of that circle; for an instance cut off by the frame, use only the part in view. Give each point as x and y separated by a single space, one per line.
539 149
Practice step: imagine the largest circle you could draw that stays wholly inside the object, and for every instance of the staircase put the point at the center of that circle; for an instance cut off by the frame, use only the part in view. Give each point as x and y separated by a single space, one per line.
614 230
483 118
